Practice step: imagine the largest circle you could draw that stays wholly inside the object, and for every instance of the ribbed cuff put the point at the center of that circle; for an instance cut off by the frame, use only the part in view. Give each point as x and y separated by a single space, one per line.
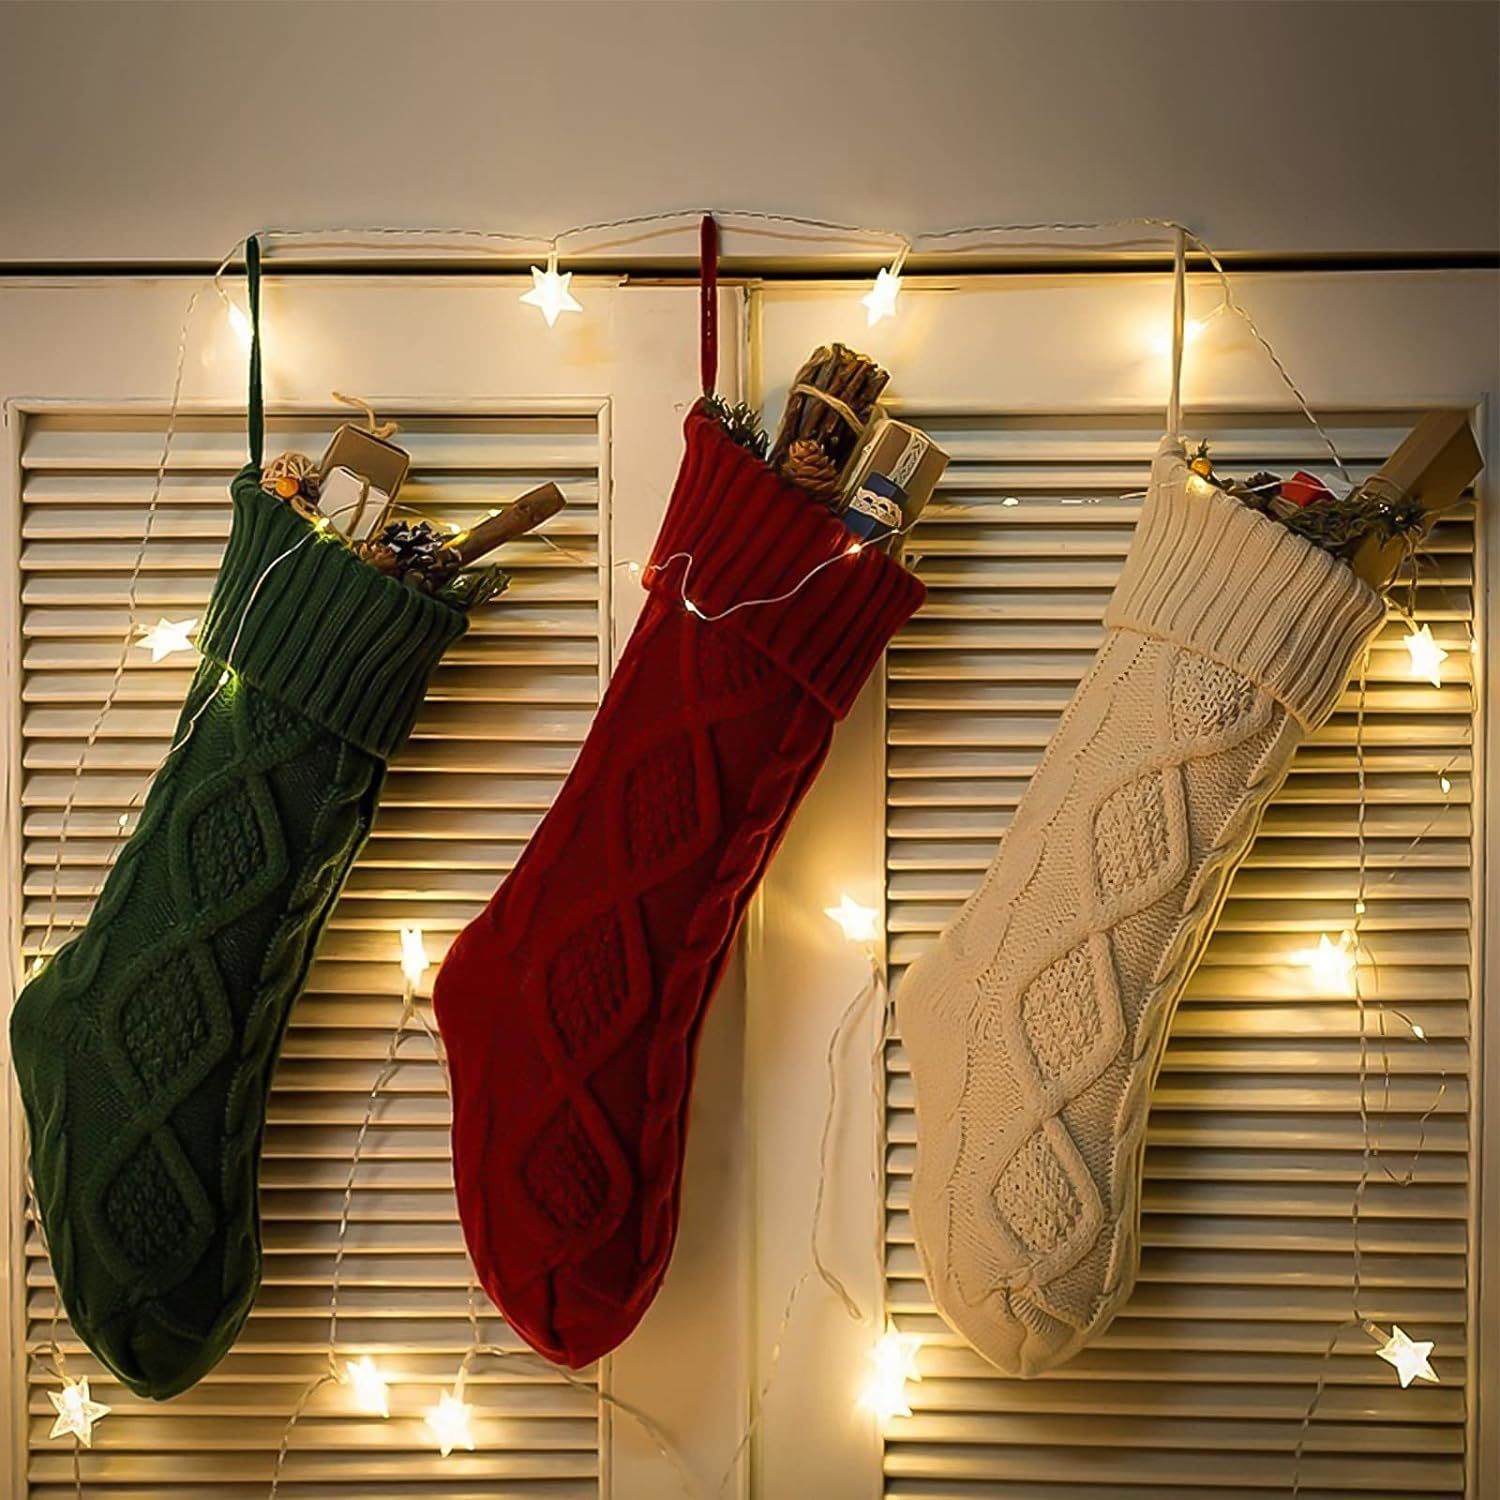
751 535
1207 572
324 632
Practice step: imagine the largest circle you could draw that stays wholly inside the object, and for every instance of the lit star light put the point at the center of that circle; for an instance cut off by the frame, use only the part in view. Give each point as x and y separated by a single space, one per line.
895 1359
858 922
166 636
1333 965
77 1411
880 301
449 1423
369 1386
1427 657
1409 1358
549 291
414 961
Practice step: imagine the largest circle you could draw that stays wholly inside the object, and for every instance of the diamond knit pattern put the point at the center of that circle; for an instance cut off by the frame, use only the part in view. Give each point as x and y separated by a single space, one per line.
1036 1024
145 1048
571 1007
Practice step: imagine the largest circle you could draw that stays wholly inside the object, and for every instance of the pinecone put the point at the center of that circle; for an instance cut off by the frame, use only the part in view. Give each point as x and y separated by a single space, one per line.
415 543
413 551
808 467
433 573
378 555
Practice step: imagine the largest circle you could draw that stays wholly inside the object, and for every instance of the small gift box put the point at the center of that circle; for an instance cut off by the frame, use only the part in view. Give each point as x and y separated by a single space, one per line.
890 481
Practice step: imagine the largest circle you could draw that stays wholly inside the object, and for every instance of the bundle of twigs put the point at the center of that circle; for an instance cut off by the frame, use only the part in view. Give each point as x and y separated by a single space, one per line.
830 405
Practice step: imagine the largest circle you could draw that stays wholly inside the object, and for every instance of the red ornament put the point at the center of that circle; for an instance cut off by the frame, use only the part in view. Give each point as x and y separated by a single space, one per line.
1305 489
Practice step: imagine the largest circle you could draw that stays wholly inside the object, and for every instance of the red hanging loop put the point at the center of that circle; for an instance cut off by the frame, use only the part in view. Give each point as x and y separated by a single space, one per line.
708 303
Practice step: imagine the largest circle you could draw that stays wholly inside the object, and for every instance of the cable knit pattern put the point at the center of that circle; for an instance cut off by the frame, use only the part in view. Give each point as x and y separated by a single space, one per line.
145 1048
1036 1024
571 1007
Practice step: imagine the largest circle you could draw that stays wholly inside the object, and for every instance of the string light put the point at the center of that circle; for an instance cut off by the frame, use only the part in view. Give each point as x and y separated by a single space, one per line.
895 1354
1409 1358
1192 331
166 637
448 1422
1446 785
239 321
1333 965
894 1358
859 924
550 292
1427 657
880 301
414 961
77 1411
370 1392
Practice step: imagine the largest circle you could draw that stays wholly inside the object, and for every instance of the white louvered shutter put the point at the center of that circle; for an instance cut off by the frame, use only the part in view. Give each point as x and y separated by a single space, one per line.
507 711
1255 1144
1050 390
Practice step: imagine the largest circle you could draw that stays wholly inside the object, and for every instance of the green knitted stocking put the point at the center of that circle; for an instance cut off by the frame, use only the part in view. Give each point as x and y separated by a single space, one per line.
145 1048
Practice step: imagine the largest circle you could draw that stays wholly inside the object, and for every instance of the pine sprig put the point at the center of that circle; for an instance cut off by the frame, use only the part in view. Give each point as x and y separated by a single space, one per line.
1339 526
741 422
477 586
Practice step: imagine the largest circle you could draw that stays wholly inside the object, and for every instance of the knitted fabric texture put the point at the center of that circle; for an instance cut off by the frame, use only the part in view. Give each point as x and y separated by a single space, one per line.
571 1007
1036 1023
145 1048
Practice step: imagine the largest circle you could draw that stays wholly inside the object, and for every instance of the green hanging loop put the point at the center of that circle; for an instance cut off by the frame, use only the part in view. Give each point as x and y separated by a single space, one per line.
257 410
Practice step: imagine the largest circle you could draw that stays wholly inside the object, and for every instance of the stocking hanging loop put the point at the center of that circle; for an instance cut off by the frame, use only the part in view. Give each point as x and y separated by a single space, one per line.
1179 329
256 408
708 304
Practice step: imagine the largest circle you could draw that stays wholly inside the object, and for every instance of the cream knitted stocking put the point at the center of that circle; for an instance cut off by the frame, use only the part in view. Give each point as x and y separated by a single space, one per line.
1036 1023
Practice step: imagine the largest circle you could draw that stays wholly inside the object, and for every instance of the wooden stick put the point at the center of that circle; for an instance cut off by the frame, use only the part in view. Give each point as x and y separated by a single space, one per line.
1435 462
519 517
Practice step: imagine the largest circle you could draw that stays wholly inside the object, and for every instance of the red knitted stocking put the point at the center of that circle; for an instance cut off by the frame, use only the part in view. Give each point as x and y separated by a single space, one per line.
570 1007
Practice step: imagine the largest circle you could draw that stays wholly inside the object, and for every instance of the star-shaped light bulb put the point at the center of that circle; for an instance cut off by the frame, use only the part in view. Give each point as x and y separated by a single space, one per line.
895 1360
1427 657
368 1386
860 924
1408 1357
1333 965
549 291
414 961
166 636
77 1411
880 301
448 1422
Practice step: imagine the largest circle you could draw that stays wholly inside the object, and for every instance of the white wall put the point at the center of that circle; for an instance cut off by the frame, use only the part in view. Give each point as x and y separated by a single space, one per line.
163 131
